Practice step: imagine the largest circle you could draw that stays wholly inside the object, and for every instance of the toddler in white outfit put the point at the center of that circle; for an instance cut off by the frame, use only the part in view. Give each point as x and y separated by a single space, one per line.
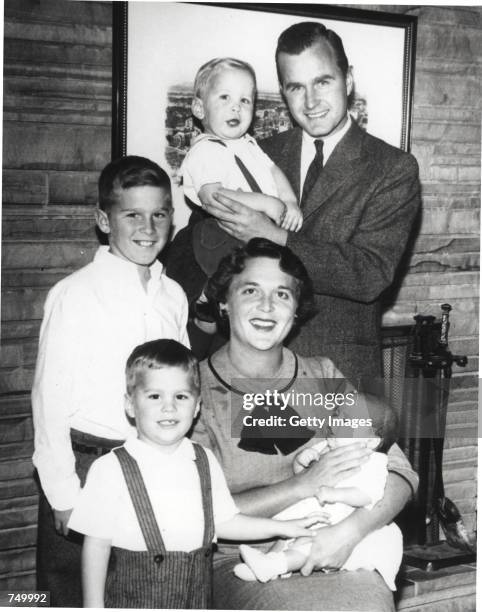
226 156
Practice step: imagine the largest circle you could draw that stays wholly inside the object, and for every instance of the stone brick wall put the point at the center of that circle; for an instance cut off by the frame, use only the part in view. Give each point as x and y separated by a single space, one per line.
56 136
57 114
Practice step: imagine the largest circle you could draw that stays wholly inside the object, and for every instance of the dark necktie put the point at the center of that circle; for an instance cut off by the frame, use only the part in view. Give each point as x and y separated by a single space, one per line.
313 170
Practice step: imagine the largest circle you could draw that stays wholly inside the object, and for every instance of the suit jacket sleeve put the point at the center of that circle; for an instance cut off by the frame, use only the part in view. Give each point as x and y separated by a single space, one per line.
363 265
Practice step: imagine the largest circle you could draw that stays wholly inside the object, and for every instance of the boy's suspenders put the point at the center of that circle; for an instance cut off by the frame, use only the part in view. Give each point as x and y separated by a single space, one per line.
253 185
142 503
160 578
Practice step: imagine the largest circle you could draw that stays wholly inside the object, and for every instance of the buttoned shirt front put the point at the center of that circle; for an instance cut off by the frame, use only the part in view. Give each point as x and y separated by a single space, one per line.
308 149
105 510
93 319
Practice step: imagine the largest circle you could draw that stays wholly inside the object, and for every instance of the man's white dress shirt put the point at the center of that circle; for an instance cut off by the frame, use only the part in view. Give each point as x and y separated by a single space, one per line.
308 149
93 319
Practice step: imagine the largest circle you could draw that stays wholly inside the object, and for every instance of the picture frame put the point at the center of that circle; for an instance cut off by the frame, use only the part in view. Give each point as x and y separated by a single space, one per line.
158 48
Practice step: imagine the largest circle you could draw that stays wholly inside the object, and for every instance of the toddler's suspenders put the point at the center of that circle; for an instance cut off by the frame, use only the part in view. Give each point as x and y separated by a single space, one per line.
207 495
158 578
142 503
140 500
253 184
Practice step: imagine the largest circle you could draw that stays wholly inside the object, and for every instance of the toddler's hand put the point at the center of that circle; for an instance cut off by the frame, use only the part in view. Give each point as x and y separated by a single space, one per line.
299 528
293 219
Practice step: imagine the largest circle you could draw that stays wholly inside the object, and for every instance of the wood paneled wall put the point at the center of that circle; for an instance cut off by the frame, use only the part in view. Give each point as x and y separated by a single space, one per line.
57 115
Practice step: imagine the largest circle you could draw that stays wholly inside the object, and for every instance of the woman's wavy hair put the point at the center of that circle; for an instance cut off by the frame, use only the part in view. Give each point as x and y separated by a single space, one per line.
218 285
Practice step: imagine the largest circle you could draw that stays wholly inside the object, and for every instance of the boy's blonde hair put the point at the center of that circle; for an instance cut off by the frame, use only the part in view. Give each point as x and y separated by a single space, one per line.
209 69
158 354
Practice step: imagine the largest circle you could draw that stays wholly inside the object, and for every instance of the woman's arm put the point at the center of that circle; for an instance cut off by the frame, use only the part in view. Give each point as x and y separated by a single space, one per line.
351 496
95 558
333 545
332 467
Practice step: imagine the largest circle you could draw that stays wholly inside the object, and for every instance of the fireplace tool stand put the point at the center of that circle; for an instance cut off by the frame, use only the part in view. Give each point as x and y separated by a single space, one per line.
427 384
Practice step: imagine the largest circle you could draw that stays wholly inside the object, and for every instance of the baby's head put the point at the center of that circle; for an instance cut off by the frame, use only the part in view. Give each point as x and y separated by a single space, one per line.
384 427
163 392
224 96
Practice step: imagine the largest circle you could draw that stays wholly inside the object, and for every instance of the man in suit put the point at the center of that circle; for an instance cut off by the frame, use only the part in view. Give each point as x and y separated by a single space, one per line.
359 200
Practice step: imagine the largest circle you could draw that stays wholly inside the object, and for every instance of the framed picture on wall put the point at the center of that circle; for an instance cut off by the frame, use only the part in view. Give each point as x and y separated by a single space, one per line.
158 48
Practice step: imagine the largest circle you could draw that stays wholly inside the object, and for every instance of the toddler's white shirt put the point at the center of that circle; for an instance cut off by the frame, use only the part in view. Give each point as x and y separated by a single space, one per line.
105 510
208 161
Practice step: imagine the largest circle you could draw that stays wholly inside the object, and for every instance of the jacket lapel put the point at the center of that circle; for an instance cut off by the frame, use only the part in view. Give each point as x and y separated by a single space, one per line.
337 170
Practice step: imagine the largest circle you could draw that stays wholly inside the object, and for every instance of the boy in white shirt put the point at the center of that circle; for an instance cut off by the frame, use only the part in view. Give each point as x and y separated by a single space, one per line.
92 321
226 156
150 510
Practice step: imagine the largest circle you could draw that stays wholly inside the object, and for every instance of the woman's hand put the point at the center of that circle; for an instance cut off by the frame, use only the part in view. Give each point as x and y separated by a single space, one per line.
331 548
333 466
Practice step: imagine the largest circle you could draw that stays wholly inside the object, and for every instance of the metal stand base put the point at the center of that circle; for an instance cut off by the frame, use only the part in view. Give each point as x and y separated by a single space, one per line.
431 557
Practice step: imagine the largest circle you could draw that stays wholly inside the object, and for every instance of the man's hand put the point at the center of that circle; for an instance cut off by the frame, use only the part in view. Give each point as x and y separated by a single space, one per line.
331 548
206 194
241 221
61 518
333 466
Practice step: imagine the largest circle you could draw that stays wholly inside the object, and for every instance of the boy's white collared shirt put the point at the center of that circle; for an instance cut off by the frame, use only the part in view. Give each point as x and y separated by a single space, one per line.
104 509
93 319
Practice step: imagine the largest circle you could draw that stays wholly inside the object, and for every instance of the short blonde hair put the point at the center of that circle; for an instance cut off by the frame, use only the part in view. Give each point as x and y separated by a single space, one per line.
209 69
157 354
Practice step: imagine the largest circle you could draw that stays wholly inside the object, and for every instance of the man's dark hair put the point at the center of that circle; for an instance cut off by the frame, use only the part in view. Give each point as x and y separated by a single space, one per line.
218 285
303 35
158 354
126 172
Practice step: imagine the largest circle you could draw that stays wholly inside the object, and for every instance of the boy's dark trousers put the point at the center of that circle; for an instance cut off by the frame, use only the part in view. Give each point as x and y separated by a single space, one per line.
158 578
58 557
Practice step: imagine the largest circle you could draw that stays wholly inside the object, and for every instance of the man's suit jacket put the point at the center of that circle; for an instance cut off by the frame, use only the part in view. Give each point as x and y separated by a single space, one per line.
357 220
